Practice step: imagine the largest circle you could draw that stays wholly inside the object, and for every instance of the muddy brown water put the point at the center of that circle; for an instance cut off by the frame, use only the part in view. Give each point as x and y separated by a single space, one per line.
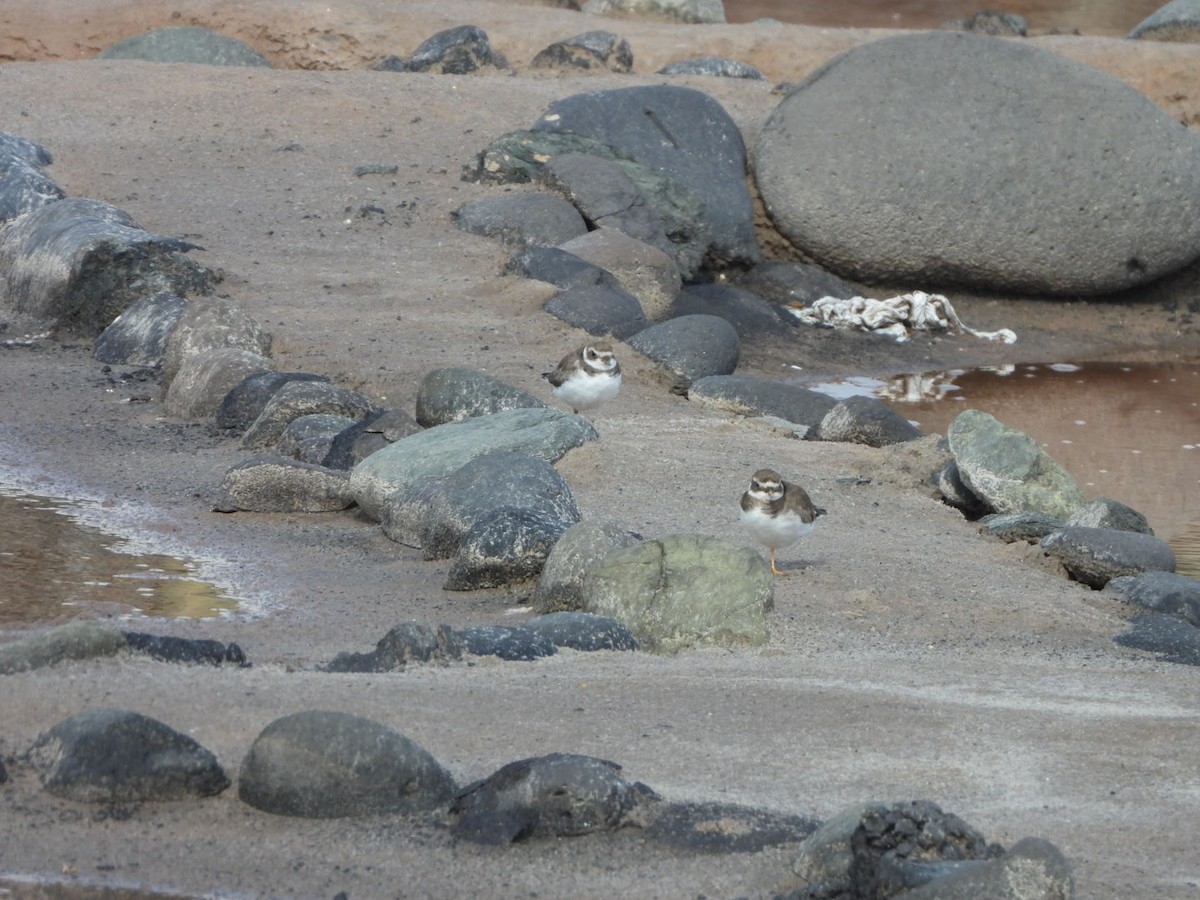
1111 18
54 567
1127 432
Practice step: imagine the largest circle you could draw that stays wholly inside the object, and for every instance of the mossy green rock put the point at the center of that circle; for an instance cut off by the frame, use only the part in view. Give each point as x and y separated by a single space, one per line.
684 590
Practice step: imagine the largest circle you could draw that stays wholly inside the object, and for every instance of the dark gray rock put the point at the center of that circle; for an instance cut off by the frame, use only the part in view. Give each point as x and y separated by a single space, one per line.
23 184
522 219
866 849
405 643
324 765
310 438
1094 556
717 66
523 156
591 50
246 401
599 310
303 398
749 314
81 639
646 271
456 51
1173 639
1023 526
1008 170
205 378
280 484
212 323
168 648
514 644
558 795
455 394
1032 868
690 348
678 130
545 433
1161 592
746 396
1177 21
138 336
582 631
358 441
1008 470
186 44
723 828
608 197
1105 513
505 546
560 585
558 267
682 591
864 420
792 283
118 756
75 265
436 514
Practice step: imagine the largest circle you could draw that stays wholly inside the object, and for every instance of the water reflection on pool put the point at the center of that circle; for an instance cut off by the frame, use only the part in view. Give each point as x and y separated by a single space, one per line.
54 568
1127 432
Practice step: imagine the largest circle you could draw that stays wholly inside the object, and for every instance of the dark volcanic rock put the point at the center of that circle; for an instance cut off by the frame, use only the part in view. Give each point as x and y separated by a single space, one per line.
1023 526
1173 639
118 756
1095 556
599 310
242 405
864 420
23 184
724 828
405 643
323 765
689 348
557 795
1161 592
748 396
558 267
168 648
360 440
303 398
590 50
792 283
513 643
748 313
681 131
582 631
76 265
505 546
309 439
456 51
138 336
524 219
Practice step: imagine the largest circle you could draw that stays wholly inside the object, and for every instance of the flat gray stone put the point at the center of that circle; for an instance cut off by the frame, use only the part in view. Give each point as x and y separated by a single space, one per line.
280 484
205 378
138 336
747 396
545 433
81 639
457 393
864 420
522 219
1095 556
1089 188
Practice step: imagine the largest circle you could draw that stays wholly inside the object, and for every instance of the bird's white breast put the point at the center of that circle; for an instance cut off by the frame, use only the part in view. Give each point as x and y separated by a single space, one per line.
782 530
583 390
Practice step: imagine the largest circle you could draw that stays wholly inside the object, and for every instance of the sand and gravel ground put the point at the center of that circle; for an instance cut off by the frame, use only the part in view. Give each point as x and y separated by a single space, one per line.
909 658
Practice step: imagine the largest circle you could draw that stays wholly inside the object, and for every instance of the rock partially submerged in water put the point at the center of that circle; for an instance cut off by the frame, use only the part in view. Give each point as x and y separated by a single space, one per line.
75 265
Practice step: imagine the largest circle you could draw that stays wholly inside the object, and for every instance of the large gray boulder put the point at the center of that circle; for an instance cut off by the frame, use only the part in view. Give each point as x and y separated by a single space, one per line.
138 336
943 159
747 396
680 131
324 765
204 379
689 348
560 585
505 546
303 398
522 219
457 393
23 184
278 484
545 433
644 270
684 590
211 323
1008 470
1095 556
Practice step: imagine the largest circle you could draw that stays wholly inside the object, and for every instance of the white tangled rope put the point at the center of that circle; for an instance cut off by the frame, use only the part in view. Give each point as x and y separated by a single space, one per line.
896 316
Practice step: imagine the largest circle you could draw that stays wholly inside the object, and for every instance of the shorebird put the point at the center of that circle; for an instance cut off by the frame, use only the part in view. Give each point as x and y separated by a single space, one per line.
777 513
586 378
